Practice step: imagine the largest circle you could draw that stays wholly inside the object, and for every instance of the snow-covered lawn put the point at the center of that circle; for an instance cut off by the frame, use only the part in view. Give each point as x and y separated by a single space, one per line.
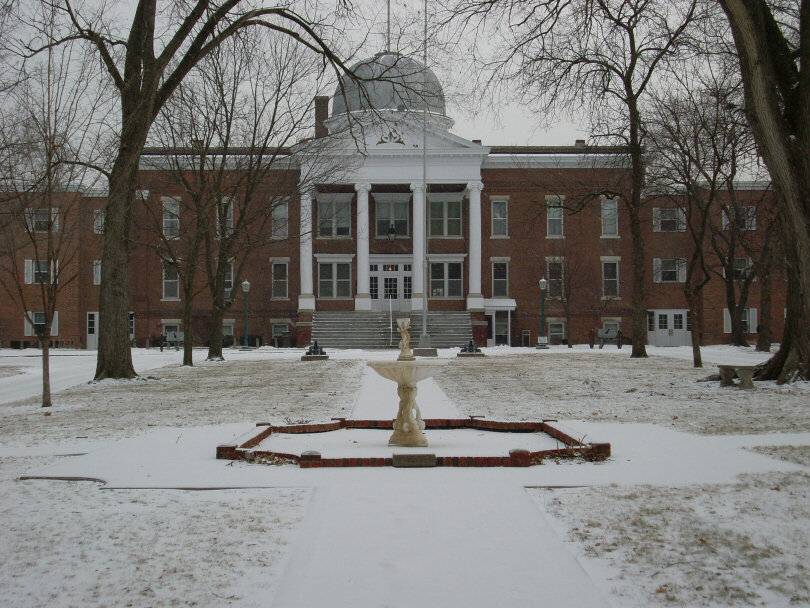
685 533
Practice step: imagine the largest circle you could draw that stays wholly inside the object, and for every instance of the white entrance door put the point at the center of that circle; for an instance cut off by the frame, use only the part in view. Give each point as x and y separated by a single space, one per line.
92 331
390 287
670 328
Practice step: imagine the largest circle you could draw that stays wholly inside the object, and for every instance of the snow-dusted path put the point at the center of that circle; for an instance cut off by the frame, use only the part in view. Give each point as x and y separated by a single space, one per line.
421 541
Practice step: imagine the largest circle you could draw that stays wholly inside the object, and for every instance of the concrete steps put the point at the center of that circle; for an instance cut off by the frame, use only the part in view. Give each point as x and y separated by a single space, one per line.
360 329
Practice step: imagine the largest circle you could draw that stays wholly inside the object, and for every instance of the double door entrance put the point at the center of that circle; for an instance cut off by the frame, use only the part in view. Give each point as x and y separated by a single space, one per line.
668 328
390 286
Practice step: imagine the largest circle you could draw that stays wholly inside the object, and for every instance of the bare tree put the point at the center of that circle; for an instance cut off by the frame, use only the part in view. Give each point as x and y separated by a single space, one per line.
771 38
599 56
46 124
228 140
699 144
146 61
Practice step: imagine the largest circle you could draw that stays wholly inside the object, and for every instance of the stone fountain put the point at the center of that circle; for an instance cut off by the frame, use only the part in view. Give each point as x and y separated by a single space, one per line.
407 371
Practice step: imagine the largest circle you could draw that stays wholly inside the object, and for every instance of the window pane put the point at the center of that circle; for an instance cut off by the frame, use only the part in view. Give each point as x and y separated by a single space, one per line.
663 322
343 284
499 279
650 321
343 220
610 223
325 281
437 280
454 279
437 219
373 288
454 218
324 219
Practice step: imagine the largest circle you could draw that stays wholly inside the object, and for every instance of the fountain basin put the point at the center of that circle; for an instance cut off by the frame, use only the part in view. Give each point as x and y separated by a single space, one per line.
408 426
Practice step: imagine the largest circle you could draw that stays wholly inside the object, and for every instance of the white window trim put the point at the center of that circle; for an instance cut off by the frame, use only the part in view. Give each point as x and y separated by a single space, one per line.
445 200
494 261
275 232
492 202
611 259
273 263
445 262
333 199
561 206
391 198
615 202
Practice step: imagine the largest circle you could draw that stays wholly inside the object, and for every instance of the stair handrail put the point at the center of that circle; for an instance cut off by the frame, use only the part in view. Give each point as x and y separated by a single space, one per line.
390 324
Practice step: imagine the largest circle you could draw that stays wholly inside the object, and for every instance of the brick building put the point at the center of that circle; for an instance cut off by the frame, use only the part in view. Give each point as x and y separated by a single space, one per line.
421 218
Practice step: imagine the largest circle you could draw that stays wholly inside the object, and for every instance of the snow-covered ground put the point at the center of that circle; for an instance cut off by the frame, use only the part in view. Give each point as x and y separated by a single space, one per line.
704 502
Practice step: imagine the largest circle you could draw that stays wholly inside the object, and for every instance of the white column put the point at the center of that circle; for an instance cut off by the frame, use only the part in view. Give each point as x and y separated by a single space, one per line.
419 288
362 300
475 300
306 299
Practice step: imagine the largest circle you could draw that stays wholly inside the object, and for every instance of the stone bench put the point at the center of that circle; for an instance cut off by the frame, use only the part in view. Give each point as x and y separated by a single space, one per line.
744 372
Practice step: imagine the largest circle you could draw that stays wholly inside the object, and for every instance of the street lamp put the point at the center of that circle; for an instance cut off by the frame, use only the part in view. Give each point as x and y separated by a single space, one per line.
392 234
542 341
246 289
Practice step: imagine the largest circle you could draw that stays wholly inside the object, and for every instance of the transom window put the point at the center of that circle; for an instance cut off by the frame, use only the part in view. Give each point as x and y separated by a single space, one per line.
554 221
445 218
334 280
334 219
392 213
445 280
499 218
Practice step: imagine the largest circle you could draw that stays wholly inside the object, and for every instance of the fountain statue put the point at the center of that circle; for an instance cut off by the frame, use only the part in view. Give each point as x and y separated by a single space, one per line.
407 371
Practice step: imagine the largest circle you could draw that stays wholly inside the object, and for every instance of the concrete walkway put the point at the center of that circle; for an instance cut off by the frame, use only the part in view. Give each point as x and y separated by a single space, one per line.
420 540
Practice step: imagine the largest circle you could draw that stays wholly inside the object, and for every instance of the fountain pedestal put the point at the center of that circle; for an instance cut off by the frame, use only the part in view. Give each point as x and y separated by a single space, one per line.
408 426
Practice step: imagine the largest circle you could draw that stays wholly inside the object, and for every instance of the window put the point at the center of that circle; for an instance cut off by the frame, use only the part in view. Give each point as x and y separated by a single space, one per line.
445 280
228 281
171 328
610 217
279 329
225 216
499 218
334 280
41 271
227 331
131 325
744 218
171 218
555 277
748 316
663 321
279 216
38 326
650 320
677 320
610 279
279 270
500 279
392 213
96 272
743 268
445 218
672 270
171 283
407 287
99 216
334 219
611 325
669 219
556 332
554 219
374 288
42 220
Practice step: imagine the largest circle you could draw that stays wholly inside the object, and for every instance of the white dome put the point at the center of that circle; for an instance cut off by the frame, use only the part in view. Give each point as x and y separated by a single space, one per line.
389 81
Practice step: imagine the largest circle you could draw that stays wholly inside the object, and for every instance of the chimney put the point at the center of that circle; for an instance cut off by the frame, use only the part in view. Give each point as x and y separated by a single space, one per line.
580 143
321 114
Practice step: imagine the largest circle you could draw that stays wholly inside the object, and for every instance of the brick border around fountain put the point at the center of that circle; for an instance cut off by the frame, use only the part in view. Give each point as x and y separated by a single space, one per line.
242 449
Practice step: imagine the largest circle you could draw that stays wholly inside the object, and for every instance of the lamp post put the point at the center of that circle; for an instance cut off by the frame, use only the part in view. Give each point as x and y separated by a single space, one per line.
246 289
391 234
542 341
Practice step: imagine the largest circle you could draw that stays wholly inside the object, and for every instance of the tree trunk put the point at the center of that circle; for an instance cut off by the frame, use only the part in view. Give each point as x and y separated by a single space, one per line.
780 121
114 355
215 334
45 344
188 331
764 328
639 326
691 303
